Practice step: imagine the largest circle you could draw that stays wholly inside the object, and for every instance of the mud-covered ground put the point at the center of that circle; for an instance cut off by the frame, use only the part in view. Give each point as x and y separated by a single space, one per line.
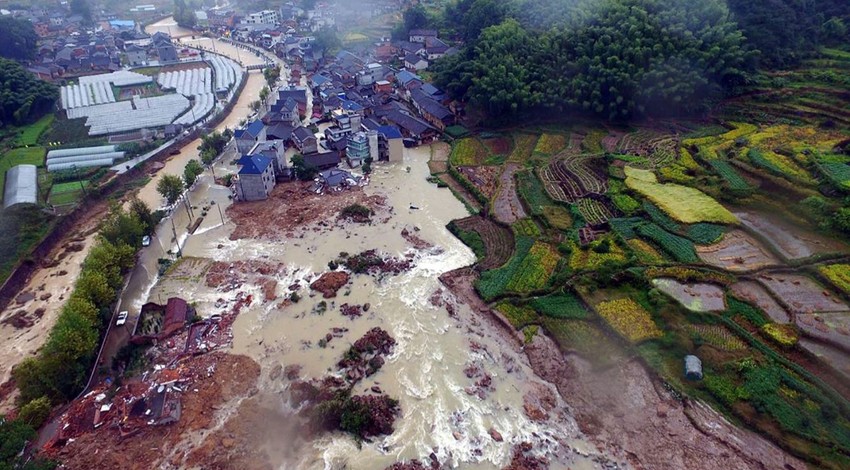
181 445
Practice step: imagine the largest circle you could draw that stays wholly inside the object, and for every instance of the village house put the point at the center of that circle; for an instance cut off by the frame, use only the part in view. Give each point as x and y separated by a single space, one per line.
261 17
249 135
135 55
421 35
435 113
322 161
305 141
415 63
158 322
335 180
274 150
255 179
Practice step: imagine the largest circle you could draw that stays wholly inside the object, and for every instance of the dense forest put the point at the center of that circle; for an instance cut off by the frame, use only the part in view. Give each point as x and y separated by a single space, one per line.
17 39
623 58
23 97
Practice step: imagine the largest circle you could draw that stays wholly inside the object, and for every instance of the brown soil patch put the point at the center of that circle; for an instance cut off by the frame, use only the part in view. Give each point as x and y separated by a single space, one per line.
155 447
754 293
329 283
790 241
737 252
438 167
801 294
291 206
226 276
499 145
506 207
485 178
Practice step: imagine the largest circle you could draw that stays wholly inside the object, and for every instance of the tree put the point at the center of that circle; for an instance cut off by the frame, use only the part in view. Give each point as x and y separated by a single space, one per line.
272 74
144 214
122 226
81 7
367 165
327 40
302 170
18 39
264 94
183 15
23 97
256 105
191 172
93 289
35 412
14 435
170 187
213 144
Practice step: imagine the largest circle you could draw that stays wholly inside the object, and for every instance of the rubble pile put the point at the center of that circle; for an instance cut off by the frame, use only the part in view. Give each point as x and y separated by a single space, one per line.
366 355
179 363
228 277
373 263
351 311
418 243
413 465
522 460
329 283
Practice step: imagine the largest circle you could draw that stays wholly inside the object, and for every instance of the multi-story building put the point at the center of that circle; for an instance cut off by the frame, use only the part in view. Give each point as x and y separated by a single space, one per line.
261 17
358 149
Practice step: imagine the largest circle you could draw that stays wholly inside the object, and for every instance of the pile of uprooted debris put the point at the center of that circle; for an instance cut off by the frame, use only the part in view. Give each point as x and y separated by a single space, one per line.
328 402
177 364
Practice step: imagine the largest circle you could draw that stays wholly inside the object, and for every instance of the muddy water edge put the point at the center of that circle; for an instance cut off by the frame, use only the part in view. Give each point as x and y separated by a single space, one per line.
445 416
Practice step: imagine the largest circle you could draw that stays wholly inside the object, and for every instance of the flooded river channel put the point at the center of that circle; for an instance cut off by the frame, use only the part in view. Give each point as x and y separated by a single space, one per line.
426 371
440 418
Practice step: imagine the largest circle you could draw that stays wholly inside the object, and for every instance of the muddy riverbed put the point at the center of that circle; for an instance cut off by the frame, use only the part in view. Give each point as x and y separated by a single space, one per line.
443 349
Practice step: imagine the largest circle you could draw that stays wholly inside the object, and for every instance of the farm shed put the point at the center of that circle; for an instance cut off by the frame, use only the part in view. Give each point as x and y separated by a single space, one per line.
693 367
21 186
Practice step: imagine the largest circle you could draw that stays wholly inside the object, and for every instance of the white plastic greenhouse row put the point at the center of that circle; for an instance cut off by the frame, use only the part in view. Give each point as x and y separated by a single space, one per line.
226 72
83 158
188 82
100 109
76 96
82 164
203 105
79 151
150 112
119 78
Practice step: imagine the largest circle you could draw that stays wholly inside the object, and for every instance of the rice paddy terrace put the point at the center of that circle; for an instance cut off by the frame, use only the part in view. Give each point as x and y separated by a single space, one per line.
722 239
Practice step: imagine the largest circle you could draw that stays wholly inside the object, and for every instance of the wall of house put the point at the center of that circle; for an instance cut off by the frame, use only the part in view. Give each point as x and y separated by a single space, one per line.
255 187
396 150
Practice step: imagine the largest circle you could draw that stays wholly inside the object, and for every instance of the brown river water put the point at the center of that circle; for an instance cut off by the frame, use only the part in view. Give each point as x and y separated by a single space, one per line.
426 370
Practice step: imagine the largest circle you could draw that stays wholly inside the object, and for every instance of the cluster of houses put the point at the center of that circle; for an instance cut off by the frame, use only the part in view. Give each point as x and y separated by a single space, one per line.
338 109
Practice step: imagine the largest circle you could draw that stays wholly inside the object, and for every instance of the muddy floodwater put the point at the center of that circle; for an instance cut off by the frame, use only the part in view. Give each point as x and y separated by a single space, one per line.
440 415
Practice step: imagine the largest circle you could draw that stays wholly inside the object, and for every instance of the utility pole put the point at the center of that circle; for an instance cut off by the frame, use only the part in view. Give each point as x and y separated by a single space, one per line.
176 240
77 174
218 206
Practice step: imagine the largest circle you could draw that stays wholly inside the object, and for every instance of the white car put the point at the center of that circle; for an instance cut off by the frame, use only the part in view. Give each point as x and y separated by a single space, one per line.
146 240
122 318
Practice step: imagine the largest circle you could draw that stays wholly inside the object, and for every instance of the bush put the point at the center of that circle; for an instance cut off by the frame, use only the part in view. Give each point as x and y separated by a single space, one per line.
36 412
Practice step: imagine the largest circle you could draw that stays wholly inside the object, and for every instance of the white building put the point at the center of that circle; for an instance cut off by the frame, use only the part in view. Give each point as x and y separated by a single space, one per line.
261 17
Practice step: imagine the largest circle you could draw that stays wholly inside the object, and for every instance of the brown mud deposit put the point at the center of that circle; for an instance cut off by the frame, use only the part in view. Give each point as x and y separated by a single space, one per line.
292 206
628 413
737 252
232 379
329 283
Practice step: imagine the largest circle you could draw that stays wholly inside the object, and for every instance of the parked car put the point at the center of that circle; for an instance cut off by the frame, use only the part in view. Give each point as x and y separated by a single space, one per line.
146 240
122 318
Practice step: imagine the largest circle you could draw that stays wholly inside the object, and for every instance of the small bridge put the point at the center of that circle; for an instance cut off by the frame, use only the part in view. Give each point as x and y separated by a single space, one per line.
259 66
